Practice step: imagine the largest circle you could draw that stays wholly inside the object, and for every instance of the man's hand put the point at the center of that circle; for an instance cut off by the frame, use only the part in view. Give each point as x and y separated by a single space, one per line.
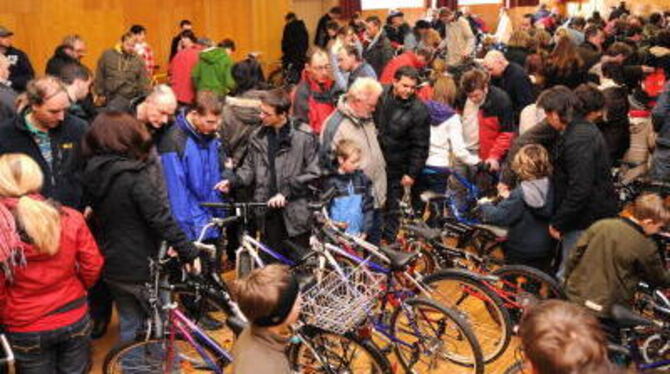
554 233
648 69
223 186
194 267
493 164
503 190
407 181
277 201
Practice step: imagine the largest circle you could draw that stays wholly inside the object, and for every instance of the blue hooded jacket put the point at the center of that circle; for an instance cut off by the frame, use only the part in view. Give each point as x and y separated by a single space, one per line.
193 164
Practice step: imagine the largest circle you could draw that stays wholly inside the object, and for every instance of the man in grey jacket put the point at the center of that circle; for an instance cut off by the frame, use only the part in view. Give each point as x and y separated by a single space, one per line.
280 163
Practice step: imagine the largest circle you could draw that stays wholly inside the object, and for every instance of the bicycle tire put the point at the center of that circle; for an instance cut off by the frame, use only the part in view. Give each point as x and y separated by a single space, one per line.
516 368
157 363
474 364
300 353
535 274
494 333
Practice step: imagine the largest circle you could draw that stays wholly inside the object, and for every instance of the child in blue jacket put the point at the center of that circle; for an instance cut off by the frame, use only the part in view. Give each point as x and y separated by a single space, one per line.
353 203
526 210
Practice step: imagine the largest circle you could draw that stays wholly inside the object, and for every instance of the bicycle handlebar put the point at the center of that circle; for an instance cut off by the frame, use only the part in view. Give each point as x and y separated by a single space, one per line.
231 206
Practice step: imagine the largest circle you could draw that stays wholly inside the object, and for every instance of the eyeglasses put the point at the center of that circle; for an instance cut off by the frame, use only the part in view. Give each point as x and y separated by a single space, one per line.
322 68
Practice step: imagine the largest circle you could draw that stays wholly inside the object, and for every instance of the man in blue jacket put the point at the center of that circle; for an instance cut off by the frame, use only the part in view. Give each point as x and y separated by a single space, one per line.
193 163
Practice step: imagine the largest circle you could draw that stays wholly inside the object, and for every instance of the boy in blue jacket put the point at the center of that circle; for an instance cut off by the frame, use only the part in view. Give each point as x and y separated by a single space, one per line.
353 204
526 211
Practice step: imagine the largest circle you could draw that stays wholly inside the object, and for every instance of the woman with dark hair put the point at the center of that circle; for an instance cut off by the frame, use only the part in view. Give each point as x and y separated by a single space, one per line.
248 75
564 66
131 217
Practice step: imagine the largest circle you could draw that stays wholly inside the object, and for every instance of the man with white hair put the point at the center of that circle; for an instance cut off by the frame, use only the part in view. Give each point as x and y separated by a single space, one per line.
352 120
511 78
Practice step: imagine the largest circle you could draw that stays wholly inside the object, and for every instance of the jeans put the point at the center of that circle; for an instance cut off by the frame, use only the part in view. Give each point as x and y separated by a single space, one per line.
568 242
65 350
132 314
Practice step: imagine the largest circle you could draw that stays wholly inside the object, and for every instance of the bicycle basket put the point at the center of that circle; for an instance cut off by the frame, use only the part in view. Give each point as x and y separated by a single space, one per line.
341 302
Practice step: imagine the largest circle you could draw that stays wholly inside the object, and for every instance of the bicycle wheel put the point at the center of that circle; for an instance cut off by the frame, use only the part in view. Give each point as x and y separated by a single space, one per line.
481 306
519 367
159 356
209 313
433 339
341 353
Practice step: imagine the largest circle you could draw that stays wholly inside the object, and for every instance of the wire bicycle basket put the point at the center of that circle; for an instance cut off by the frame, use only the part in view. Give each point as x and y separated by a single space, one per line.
341 301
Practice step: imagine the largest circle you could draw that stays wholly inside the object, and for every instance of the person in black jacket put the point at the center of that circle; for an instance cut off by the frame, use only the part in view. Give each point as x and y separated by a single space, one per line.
294 45
582 177
511 78
49 135
378 50
175 45
404 135
132 219
21 71
396 28
77 80
321 35
62 56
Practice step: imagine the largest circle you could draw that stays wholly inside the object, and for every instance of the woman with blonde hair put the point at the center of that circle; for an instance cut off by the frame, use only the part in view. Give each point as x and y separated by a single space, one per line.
49 260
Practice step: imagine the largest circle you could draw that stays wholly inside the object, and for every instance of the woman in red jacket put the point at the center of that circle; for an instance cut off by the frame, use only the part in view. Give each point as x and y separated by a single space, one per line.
49 259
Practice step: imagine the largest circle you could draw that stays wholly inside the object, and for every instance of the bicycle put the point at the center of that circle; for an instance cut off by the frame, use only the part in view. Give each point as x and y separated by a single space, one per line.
7 360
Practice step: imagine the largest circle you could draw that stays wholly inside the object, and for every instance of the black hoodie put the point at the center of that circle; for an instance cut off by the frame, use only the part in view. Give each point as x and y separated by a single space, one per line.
132 219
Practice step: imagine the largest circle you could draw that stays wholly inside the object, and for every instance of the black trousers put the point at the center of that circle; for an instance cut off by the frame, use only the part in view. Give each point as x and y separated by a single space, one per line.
394 194
275 236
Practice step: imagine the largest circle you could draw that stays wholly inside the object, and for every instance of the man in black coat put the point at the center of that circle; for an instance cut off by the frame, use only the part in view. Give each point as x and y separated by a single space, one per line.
321 36
511 78
377 50
174 46
21 71
294 45
50 136
62 56
404 135
582 177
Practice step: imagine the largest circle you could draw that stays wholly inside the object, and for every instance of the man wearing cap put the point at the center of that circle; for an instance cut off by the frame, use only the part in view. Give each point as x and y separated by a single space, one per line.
20 69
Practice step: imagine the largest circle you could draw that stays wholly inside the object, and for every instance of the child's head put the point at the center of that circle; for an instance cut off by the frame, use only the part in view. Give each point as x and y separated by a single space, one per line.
558 337
532 162
269 297
348 155
650 212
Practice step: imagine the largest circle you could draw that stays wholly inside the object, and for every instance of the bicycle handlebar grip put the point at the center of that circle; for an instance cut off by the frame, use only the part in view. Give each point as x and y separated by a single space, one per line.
223 222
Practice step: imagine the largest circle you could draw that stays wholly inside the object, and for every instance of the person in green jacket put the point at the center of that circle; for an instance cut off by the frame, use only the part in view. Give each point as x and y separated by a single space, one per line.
615 254
213 72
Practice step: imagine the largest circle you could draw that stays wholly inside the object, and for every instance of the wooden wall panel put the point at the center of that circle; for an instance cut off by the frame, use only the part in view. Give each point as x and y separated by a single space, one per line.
40 25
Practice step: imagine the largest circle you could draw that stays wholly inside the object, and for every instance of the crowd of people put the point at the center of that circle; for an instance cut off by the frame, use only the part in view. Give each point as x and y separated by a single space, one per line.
99 167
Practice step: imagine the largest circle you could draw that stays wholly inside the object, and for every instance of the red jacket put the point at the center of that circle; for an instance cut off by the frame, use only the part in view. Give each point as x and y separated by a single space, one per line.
314 102
496 125
181 67
48 283
408 58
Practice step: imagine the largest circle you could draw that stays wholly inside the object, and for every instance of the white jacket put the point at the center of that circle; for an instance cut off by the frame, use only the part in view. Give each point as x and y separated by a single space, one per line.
445 139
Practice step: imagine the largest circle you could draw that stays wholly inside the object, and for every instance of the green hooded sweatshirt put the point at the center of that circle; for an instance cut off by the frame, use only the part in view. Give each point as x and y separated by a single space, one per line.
213 72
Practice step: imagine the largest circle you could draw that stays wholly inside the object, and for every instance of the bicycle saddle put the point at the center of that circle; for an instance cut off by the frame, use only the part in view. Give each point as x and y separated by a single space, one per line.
431 196
626 318
424 232
399 259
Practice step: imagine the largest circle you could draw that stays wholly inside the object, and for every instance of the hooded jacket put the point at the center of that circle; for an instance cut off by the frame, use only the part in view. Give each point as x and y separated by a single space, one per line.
121 74
59 60
344 124
313 102
353 202
193 164
241 116
526 212
132 218
642 141
296 164
408 58
213 72
404 133
446 137
47 283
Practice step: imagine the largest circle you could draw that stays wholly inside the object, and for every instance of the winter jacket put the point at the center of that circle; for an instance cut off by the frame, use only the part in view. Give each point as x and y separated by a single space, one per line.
517 55
364 70
516 83
459 40
642 142
193 164
526 212
31 301
397 34
582 177
59 60
404 133
61 177
20 69
181 67
321 36
213 72
294 43
609 261
615 126
353 203
659 57
256 342
344 124
7 101
121 75
378 53
408 58
241 116
446 137
571 78
133 219
313 102
296 165
660 116
542 134
590 54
